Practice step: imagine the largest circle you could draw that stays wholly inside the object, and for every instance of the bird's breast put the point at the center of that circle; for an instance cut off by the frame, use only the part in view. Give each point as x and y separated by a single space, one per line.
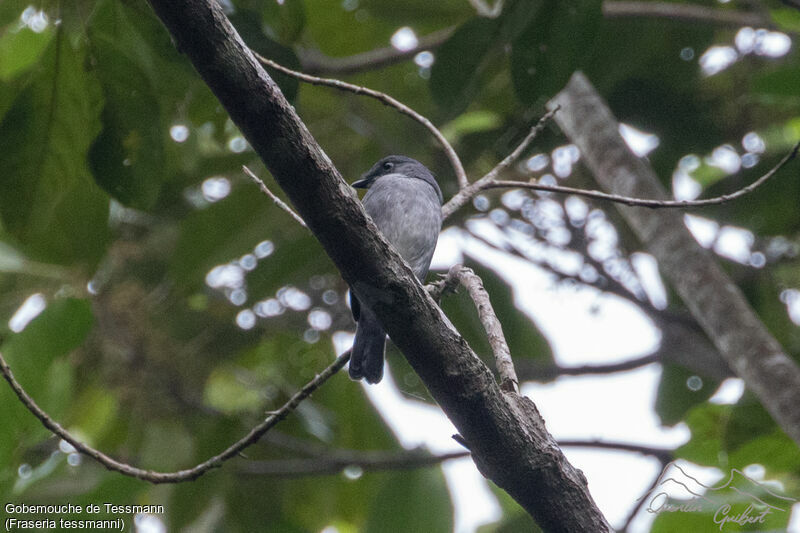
408 213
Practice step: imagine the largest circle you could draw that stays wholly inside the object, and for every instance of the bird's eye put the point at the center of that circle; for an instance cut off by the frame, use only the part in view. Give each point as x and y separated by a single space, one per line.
388 165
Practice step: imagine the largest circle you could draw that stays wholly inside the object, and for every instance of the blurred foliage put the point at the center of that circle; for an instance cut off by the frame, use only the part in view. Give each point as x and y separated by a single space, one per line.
181 304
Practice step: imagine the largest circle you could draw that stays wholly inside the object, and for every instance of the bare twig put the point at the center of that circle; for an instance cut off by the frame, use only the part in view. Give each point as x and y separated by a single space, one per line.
481 185
335 461
467 193
315 62
515 154
385 99
494 330
280 203
530 370
182 475
684 13
641 501
662 454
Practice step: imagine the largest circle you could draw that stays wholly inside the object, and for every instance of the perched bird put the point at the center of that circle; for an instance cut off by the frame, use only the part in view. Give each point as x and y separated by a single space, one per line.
405 202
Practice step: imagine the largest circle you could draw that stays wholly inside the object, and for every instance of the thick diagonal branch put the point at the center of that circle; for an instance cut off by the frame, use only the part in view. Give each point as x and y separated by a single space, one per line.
504 431
714 300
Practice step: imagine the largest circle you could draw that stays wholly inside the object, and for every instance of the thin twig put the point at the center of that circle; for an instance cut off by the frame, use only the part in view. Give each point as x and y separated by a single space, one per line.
280 203
662 454
182 475
685 13
467 193
335 461
641 501
385 99
626 200
532 371
334 464
315 62
494 329
515 154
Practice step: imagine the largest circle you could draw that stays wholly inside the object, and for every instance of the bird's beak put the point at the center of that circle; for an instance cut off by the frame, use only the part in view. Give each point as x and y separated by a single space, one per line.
363 183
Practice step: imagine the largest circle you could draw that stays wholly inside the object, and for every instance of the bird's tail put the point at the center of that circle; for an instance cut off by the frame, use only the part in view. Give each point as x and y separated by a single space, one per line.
366 361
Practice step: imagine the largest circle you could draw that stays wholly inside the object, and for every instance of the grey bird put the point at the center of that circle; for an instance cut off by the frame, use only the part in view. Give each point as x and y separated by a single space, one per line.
405 202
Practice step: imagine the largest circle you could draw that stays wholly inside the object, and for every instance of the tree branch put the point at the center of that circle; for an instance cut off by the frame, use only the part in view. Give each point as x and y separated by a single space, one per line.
682 340
505 432
664 455
684 13
182 475
531 370
641 501
468 192
334 461
714 300
280 203
644 202
385 99
315 62
494 329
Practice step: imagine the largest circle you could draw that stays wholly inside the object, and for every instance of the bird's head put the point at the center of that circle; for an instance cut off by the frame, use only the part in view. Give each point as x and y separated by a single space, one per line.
398 165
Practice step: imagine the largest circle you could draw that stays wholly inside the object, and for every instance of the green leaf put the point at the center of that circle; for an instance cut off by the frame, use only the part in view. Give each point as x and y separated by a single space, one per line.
11 11
21 49
707 175
786 18
127 158
707 425
675 398
58 330
36 357
558 41
167 446
284 21
454 75
779 81
425 504
12 261
93 412
774 450
747 418
696 522
48 200
472 122
226 392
